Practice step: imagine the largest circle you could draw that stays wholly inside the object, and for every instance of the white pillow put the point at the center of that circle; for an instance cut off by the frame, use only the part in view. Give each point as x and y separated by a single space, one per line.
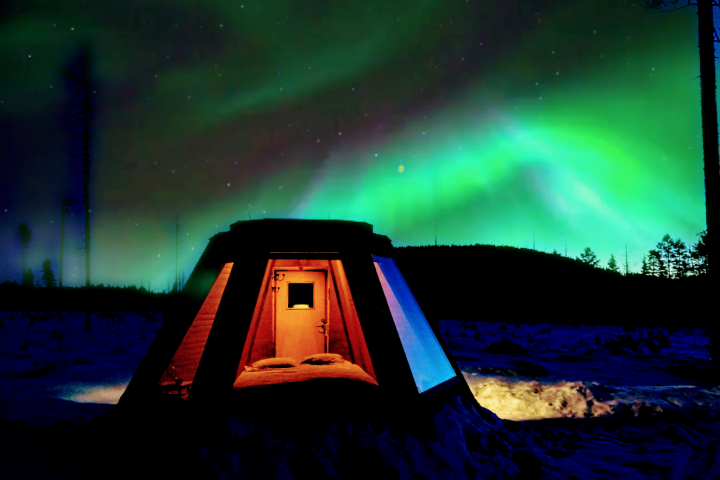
282 362
323 359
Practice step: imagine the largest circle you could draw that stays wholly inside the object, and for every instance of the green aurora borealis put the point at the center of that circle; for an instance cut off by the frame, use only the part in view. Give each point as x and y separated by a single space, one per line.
577 122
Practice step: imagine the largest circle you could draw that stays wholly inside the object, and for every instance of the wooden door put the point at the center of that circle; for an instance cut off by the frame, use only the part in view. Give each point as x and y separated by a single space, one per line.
300 313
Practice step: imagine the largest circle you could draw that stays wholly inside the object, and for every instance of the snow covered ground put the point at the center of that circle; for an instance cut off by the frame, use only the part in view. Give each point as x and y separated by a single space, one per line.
586 402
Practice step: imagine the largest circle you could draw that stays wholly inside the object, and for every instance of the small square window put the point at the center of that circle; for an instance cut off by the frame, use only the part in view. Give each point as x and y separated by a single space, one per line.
300 295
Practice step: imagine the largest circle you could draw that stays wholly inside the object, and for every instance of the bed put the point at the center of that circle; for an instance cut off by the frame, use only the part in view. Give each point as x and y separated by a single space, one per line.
274 371
284 391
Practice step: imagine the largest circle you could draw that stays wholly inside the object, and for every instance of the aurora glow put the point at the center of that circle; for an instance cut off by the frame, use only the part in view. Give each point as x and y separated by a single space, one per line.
578 122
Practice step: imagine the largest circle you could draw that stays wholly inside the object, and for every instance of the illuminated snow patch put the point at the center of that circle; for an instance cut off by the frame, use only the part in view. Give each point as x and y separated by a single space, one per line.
109 394
518 401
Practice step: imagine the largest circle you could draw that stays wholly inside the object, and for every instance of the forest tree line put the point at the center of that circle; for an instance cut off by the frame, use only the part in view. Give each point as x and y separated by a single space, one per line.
671 258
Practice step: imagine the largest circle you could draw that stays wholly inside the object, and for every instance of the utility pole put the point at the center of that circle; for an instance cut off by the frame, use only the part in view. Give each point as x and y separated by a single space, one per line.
565 238
63 210
533 237
177 242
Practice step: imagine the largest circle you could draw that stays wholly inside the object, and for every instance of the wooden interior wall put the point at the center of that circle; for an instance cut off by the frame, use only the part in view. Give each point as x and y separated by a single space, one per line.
346 336
184 363
260 343
359 354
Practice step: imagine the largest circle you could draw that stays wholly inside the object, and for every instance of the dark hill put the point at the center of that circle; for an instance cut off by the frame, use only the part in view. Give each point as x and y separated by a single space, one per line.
477 282
486 282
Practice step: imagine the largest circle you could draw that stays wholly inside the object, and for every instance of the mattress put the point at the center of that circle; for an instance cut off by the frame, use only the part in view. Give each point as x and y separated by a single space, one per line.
303 373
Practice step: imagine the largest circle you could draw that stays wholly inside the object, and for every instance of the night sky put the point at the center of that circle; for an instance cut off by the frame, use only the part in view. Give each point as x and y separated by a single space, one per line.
575 121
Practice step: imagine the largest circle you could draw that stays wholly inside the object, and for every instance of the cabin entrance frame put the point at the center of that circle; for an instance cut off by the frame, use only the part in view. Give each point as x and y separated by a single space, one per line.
299 331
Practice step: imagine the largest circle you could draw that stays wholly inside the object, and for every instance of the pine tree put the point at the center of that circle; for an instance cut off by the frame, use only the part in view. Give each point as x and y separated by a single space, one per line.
626 266
699 254
612 264
656 266
681 258
48 275
645 268
665 247
588 257
29 278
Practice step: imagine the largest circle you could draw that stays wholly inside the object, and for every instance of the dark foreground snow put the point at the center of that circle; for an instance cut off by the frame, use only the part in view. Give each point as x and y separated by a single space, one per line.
592 409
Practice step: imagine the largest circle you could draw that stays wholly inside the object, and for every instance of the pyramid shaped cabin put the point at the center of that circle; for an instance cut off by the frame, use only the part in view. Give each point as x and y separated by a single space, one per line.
279 308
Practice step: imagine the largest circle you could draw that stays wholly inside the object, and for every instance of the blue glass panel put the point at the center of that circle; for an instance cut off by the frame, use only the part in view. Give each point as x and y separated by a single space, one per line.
428 362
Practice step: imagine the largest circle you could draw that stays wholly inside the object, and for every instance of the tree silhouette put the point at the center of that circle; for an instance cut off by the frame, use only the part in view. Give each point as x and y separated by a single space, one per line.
28 278
80 126
698 254
48 275
681 258
711 160
645 268
612 264
626 265
665 247
25 236
708 112
656 266
588 257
